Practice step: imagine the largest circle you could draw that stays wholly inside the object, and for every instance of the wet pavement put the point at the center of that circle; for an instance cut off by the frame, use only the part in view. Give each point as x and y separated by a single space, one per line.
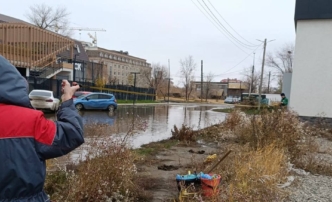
159 119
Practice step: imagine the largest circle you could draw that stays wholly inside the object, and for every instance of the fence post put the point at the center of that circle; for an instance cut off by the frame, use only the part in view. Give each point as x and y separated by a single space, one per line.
93 81
34 82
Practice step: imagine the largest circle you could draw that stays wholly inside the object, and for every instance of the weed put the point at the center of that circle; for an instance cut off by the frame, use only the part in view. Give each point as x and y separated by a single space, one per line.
106 173
185 133
268 141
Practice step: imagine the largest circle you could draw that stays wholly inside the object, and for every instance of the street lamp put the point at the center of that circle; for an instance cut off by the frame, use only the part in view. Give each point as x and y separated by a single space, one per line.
134 84
290 58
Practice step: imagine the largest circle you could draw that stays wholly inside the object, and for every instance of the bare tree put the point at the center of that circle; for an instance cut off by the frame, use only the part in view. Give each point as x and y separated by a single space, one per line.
208 84
251 79
187 70
113 80
50 18
282 60
156 76
130 79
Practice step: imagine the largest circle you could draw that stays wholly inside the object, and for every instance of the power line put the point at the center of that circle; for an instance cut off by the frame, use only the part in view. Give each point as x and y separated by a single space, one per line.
227 72
218 75
228 23
218 28
243 59
224 28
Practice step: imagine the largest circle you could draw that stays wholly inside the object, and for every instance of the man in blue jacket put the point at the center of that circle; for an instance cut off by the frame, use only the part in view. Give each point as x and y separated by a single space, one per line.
27 139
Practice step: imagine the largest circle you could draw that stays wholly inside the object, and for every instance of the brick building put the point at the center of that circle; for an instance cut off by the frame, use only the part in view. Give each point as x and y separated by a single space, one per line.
120 65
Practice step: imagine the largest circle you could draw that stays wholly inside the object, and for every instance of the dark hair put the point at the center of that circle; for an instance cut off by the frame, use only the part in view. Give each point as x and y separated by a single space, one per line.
282 94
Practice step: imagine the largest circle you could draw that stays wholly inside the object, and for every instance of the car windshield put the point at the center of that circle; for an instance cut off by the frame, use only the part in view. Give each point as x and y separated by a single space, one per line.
41 93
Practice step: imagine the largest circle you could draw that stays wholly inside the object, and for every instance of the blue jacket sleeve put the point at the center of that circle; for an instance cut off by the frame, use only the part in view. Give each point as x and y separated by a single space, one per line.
67 136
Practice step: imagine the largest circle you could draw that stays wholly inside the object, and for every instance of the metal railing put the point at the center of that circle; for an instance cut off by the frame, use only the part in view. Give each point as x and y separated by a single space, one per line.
29 46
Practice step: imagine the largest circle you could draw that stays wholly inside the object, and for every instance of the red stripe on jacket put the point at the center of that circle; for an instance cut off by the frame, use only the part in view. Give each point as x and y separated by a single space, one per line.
21 122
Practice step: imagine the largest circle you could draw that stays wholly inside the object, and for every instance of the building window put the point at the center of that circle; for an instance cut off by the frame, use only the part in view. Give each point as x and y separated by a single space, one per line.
118 73
106 56
101 54
114 73
110 56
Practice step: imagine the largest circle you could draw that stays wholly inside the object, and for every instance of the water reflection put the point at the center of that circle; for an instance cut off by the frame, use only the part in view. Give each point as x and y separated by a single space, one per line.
160 119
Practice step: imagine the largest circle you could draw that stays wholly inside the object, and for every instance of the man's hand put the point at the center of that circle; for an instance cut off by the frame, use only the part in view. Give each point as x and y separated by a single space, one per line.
67 90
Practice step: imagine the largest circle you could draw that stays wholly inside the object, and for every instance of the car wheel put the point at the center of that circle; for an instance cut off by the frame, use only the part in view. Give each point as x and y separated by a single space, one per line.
110 108
79 107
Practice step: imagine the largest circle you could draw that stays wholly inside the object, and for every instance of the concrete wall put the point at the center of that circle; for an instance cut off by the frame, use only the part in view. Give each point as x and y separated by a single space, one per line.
286 84
311 90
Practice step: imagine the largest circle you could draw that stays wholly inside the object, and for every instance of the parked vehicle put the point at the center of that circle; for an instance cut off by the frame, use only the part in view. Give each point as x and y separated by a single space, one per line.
103 101
232 100
79 93
254 99
44 99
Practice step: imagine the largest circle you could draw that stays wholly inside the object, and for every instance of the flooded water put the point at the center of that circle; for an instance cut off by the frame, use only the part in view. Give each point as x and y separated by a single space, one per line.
159 119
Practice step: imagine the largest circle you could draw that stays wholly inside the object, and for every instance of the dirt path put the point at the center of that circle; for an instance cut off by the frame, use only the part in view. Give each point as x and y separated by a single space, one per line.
163 183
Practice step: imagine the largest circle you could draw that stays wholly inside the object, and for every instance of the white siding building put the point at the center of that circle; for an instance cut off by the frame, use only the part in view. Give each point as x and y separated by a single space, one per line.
311 85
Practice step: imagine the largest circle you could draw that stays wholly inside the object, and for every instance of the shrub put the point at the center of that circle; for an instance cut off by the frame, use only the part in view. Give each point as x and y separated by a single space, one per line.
106 173
267 142
281 128
185 133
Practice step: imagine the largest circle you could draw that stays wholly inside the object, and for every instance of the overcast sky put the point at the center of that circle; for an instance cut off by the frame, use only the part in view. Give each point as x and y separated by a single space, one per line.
158 30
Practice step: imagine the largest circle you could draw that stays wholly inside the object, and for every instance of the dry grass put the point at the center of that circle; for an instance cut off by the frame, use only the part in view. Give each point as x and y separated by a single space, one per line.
106 173
263 146
282 128
253 175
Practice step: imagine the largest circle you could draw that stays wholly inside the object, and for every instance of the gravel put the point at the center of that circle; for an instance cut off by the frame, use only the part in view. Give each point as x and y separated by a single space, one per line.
309 187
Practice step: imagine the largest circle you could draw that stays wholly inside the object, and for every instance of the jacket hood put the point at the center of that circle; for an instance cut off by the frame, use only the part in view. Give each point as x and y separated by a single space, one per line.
13 86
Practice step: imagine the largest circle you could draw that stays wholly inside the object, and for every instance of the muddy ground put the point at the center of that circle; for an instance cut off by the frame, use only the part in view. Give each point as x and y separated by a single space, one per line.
164 184
302 185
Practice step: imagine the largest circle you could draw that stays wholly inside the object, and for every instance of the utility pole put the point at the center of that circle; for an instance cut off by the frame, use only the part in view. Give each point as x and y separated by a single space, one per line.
134 85
268 84
169 78
201 81
261 80
252 77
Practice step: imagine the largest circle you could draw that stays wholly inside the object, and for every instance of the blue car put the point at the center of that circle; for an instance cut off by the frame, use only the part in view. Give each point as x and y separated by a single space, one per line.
102 101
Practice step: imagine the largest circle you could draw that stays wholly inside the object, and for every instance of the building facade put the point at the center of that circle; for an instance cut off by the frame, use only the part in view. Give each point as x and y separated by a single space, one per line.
211 90
120 66
312 59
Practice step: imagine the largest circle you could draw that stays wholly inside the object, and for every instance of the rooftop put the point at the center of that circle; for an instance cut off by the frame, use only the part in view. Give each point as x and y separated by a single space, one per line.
313 9
8 19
